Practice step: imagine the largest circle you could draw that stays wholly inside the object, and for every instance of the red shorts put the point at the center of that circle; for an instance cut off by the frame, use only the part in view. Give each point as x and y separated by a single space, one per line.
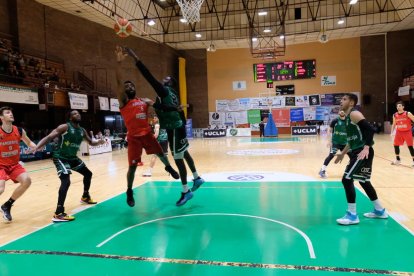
401 136
137 143
11 172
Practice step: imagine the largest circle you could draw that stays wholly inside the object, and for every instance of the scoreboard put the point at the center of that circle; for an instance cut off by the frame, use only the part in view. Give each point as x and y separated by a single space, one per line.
286 70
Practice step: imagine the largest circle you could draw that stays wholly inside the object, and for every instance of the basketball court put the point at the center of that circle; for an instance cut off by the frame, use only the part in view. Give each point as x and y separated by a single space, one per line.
241 222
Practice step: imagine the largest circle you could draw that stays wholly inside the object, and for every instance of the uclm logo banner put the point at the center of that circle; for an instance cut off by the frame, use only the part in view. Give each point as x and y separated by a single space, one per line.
304 130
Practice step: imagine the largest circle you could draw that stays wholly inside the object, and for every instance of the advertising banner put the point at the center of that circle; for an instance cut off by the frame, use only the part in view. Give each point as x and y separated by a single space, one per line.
114 104
103 103
281 117
18 95
304 131
296 115
214 133
78 101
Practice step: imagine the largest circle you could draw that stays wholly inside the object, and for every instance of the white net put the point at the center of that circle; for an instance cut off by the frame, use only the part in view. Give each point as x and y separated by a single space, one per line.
191 9
267 98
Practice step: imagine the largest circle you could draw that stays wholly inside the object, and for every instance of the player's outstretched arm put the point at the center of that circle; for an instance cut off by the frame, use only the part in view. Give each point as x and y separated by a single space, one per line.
158 87
55 133
160 106
120 56
27 141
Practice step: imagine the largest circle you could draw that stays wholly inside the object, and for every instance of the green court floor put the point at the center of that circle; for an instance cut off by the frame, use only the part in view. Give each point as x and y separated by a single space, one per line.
246 228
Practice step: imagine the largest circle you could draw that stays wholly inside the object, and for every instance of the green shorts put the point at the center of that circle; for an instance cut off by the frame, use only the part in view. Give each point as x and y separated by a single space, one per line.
65 166
177 138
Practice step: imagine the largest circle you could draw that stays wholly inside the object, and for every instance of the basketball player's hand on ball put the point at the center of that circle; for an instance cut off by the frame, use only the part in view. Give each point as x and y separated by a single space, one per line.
120 54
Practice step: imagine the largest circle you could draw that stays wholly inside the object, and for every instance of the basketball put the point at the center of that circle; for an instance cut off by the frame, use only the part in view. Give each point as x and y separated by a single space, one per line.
123 27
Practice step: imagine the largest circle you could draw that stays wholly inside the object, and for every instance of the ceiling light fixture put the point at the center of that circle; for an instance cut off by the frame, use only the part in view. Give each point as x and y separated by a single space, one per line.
282 36
341 21
267 30
262 13
151 22
353 2
254 39
183 20
198 35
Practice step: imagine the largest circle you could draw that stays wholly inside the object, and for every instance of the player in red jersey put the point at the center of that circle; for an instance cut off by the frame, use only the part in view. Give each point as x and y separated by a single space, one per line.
401 123
135 113
10 168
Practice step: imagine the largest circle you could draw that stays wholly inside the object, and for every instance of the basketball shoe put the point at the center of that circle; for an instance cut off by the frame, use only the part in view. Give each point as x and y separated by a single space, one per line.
348 219
130 198
377 214
6 213
197 183
184 198
87 200
62 217
322 173
396 162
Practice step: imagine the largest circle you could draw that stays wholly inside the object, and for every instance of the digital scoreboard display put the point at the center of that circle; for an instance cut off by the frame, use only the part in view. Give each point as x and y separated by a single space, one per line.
286 70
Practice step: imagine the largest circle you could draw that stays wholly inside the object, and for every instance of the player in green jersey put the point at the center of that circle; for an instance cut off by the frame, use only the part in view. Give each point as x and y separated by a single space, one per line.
337 141
174 122
70 136
360 136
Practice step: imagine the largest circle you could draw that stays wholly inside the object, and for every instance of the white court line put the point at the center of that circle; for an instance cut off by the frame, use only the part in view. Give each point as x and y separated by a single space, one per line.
305 237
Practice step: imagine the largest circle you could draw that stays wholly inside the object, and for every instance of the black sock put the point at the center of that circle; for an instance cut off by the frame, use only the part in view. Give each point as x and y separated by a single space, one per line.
86 194
59 209
398 158
9 202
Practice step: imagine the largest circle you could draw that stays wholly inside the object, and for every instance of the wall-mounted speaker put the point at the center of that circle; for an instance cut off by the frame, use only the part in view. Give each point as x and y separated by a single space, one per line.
298 13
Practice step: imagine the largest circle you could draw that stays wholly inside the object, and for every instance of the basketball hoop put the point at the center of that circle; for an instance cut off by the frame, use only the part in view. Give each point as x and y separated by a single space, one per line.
191 9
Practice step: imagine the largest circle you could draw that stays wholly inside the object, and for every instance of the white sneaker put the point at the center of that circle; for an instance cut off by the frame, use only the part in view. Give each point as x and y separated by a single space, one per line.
348 219
147 174
377 214
396 162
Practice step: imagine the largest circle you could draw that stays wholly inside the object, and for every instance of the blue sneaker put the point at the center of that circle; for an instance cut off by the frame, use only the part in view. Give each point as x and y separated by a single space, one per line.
322 174
377 214
184 198
348 219
197 183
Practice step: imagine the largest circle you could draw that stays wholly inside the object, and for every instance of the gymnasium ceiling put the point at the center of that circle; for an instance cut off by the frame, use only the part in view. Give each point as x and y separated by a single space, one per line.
234 23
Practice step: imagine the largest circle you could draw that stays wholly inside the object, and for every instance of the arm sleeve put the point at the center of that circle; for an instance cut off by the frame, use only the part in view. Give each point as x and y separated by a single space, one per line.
367 132
164 107
158 87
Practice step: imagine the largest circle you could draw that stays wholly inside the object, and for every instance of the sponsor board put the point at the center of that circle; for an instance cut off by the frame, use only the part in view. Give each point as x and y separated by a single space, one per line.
304 130
214 133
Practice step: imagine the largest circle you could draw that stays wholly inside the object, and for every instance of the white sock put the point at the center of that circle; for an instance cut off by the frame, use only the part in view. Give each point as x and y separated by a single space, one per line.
195 175
323 168
185 188
352 208
377 205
